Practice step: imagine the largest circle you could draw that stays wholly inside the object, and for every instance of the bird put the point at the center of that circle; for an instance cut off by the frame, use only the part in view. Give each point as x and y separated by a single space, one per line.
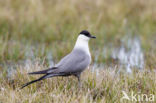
72 64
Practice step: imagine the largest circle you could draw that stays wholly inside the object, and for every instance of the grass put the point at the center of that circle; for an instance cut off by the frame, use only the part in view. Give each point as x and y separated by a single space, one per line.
31 29
40 24
107 87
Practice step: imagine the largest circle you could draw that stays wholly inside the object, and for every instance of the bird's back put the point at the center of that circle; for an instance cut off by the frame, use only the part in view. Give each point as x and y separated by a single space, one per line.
74 62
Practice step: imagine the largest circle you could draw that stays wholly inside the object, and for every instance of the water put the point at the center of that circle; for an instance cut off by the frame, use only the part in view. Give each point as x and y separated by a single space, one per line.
29 54
129 54
29 61
95 67
10 71
50 59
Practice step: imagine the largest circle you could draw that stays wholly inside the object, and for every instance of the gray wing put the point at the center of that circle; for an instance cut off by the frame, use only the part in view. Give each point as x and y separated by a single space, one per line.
74 62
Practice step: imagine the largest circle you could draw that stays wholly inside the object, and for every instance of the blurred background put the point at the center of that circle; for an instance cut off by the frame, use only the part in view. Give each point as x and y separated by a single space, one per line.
48 29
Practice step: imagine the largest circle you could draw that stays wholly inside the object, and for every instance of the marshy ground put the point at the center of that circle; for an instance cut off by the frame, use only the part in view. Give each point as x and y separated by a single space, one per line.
36 34
106 87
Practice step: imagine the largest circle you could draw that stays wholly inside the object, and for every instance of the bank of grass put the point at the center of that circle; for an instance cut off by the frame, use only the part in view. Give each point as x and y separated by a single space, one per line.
106 87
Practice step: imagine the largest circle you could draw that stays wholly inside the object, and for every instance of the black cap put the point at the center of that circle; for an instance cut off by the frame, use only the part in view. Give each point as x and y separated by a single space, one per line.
86 33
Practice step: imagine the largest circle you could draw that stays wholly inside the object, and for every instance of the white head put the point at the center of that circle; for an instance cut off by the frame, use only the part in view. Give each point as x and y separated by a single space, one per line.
82 40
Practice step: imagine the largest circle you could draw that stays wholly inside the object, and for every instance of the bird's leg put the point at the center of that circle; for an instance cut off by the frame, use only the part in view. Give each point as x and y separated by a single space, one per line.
79 80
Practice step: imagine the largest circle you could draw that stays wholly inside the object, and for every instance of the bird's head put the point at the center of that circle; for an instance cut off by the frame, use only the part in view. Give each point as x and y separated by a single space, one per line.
82 40
85 35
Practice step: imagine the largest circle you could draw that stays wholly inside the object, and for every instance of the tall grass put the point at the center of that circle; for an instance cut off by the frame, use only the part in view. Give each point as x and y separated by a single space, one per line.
49 23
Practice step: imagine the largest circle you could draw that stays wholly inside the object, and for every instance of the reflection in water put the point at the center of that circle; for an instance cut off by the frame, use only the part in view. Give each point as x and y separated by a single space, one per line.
50 59
95 65
29 54
130 53
11 70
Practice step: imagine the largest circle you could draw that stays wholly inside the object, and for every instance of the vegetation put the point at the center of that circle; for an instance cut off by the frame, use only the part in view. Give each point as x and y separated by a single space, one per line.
30 30
106 87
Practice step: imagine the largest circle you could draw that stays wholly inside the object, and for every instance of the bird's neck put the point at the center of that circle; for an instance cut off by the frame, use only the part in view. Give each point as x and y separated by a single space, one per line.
82 44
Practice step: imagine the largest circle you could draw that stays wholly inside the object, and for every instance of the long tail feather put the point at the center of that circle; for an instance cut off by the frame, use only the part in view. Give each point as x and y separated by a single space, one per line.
43 71
41 78
44 77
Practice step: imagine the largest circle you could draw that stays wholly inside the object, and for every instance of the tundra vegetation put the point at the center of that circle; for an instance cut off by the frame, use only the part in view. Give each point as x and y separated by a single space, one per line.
36 34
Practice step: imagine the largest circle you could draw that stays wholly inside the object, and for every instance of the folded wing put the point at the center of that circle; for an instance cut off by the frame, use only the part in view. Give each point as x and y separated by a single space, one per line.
76 61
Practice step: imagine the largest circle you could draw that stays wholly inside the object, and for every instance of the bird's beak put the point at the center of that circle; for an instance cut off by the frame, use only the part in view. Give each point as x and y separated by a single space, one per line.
93 37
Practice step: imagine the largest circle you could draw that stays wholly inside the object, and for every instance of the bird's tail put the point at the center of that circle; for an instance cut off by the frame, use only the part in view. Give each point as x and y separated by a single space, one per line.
47 71
41 78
